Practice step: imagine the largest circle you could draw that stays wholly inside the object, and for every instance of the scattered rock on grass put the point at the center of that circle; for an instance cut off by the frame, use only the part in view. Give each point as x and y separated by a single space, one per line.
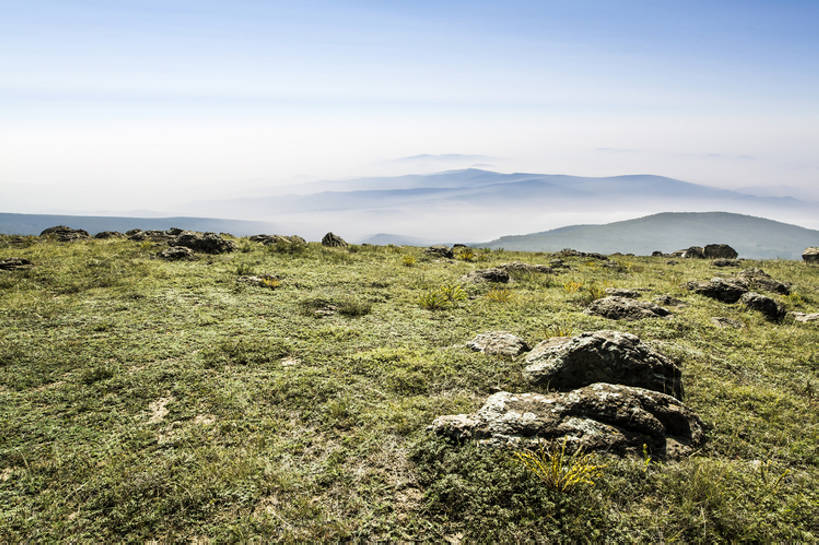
209 243
719 251
725 263
519 266
668 301
109 234
811 255
176 253
727 291
440 251
605 417
262 280
601 356
333 241
623 308
760 280
501 343
63 233
623 292
571 252
803 317
15 263
772 310
494 274
722 322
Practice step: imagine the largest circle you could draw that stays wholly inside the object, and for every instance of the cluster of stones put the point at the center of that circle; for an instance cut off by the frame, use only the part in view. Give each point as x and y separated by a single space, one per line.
272 240
709 251
601 390
740 288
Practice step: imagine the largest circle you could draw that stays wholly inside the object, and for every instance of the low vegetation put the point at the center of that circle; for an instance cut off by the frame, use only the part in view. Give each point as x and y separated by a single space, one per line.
143 399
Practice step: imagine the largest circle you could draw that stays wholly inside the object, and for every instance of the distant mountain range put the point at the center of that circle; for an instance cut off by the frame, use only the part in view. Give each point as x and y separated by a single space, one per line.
752 237
33 224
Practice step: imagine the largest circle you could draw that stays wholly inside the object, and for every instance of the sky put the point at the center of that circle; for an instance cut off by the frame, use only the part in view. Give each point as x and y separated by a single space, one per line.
144 105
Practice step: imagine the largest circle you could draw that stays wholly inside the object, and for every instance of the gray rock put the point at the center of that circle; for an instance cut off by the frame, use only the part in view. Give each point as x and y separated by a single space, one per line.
176 253
174 231
63 233
772 310
712 251
667 300
694 252
269 240
757 279
15 263
725 263
727 291
564 363
571 252
623 308
333 241
723 322
623 292
440 251
600 417
519 266
500 343
558 264
487 275
209 243
811 255
109 234
803 317
658 253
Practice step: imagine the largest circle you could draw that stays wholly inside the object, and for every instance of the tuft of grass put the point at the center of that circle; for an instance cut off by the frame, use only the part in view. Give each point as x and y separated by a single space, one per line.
408 260
96 374
466 254
558 470
244 269
354 308
271 282
572 286
500 295
453 292
433 300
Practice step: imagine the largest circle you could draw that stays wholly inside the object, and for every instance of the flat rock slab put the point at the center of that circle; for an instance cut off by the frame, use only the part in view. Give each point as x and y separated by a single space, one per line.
500 343
771 309
494 274
601 417
803 317
623 308
725 263
564 363
15 263
757 279
520 266
177 253
623 292
727 291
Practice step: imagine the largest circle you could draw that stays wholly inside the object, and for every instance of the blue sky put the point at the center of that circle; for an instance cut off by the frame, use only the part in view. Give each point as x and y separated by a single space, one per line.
102 95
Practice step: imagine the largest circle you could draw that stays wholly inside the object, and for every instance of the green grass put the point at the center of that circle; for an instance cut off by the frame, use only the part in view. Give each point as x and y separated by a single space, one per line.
148 400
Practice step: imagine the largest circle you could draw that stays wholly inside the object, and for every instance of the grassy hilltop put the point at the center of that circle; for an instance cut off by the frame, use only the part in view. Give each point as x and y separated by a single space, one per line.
142 399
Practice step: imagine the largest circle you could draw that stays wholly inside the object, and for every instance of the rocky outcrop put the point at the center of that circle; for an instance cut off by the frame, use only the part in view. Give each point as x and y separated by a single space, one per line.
109 234
63 233
520 266
727 291
772 310
713 251
333 241
694 252
757 279
811 255
499 343
440 251
209 243
269 240
14 263
601 417
487 275
624 308
601 356
177 253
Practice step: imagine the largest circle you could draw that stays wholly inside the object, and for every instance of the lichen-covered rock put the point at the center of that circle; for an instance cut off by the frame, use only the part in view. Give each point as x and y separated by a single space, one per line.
440 251
269 240
757 279
803 317
177 253
333 241
713 251
14 263
623 292
63 233
668 301
723 322
771 309
501 343
109 234
520 266
727 291
811 255
602 417
564 363
571 252
624 308
494 274
209 243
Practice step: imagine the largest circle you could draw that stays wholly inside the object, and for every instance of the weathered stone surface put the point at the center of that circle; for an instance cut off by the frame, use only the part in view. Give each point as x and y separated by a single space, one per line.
269 240
558 264
727 291
571 252
803 317
487 275
811 255
209 243
601 356
176 253
623 292
722 322
694 252
712 251
63 233
623 308
757 279
519 266
333 241
602 417
668 301
762 303
153 235
501 343
440 251
14 263
109 234
725 263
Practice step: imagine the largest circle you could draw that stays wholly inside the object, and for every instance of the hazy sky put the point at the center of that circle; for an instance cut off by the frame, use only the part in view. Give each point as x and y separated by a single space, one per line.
121 105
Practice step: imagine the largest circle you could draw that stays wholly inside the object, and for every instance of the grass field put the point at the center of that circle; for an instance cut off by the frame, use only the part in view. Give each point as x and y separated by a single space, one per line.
149 400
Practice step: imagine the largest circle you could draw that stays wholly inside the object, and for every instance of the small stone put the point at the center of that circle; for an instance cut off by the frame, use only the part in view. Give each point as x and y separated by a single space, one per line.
772 310
209 243
811 255
623 292
803 317
622 308
501 343
725 263
727 291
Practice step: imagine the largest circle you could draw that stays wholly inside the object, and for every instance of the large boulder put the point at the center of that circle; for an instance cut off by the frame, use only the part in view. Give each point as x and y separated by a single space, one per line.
772 310
494 274
811 255
209 243
713 251
623 308
499 343
14 263
564 363
757 279
177 253
333 241
440 251
520 266
63 233
602 417
727 291
693 252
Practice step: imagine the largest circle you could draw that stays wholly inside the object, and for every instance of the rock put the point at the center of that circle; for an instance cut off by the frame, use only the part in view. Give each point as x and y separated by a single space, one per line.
727 291
722 322
712 251
671 262
14 263
209 243
623 308
571 252
269 240
152 234
63 233
558 264
174 231
263 280
772 310
519 266
440 251
606 417
487 275
109 234
760 280
176 253
501 343
623 292
667 300
725 263
802 317
811 255
333 241
658 253
564 363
